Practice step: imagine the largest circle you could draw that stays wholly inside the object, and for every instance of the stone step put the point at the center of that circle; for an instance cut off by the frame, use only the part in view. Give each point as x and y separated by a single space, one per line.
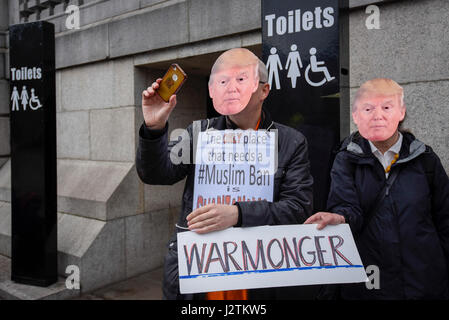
98 190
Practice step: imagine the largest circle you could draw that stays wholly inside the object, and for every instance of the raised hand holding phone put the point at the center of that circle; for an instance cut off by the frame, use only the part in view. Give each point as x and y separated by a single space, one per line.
159 100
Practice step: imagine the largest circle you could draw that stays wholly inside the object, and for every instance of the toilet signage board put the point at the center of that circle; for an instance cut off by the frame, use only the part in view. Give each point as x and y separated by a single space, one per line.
301 49
32 103
24 97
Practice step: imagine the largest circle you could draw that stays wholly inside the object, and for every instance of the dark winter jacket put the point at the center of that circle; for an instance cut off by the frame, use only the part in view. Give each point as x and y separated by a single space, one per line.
408 236
292 198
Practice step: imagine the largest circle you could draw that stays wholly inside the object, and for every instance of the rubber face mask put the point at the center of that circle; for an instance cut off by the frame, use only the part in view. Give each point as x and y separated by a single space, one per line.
231 88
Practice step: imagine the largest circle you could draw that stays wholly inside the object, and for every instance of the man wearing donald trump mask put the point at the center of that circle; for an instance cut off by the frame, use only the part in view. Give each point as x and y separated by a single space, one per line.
238 87
393 191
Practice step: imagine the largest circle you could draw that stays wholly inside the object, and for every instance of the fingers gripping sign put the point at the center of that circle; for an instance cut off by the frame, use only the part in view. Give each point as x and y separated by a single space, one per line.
212 217
325 218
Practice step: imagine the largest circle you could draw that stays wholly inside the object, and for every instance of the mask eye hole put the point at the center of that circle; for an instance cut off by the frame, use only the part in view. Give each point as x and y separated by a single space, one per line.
367 108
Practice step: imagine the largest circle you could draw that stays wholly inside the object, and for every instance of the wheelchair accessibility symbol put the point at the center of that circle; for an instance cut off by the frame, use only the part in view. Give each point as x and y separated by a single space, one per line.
317 66
34 101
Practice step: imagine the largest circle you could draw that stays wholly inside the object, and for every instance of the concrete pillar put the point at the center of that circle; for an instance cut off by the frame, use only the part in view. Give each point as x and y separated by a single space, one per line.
4 84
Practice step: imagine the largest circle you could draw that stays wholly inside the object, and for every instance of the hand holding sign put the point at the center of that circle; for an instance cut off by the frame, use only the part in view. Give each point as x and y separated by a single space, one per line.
267 256
155 110
325 218
213 217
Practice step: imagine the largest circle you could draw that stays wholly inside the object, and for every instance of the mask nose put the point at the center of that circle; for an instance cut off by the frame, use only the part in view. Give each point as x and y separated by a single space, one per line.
377 114
232 86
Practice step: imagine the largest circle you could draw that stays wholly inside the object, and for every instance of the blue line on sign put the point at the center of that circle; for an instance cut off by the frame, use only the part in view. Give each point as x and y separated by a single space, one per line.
235 273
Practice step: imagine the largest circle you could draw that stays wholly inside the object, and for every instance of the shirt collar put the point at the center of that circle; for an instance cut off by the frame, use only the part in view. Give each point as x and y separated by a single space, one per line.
394 148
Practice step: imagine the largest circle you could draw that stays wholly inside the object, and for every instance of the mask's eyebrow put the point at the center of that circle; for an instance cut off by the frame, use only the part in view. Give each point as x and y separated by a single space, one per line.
243 73
387 102
222 77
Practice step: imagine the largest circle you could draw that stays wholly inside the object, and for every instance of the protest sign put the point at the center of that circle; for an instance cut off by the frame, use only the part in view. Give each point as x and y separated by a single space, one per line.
234 165
267 256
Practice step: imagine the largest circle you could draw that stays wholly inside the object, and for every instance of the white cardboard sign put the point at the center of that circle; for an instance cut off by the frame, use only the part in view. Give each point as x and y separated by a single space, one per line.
267 256
234 165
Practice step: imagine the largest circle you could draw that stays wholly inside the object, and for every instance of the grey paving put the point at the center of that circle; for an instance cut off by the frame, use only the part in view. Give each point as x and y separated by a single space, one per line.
147 286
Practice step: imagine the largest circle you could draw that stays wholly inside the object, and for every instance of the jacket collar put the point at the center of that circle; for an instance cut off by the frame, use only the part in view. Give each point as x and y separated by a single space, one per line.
359 147
415 148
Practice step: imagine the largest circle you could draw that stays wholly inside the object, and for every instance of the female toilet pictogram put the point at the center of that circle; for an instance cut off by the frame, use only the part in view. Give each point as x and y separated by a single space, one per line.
24 97
293 65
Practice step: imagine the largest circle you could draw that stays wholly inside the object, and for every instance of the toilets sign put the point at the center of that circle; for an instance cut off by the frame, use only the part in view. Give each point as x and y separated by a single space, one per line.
301 59
33 153
301 49
23 98
296 21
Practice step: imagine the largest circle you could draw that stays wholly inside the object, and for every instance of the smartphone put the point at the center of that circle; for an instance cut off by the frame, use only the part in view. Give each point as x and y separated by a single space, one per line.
171 82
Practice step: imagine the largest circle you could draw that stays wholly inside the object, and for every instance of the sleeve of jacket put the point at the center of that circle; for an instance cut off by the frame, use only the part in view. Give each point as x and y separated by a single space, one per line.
154 162
295 200
440 204
343 198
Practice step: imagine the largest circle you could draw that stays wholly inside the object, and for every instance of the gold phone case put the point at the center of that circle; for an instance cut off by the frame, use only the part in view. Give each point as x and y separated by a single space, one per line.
171 82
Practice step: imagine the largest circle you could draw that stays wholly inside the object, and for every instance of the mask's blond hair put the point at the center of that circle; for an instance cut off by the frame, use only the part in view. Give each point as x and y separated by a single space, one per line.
263 72
379 86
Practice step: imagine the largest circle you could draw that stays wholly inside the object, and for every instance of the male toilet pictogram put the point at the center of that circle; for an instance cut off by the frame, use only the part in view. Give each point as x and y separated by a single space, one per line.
273 66
15 99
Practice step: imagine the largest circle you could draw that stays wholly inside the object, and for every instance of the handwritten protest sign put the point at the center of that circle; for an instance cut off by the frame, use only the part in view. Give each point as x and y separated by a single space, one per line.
234 165
267 256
